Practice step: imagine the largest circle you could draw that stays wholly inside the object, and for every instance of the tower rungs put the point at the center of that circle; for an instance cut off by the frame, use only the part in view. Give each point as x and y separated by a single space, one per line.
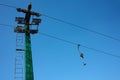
19 68
19 58
20 50
18 77
18 73
19 64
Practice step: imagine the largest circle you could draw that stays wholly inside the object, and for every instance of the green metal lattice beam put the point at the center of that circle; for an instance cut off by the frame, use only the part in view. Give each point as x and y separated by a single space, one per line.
28 52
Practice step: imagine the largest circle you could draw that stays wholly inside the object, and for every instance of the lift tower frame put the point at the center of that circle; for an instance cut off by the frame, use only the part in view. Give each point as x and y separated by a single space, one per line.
26 30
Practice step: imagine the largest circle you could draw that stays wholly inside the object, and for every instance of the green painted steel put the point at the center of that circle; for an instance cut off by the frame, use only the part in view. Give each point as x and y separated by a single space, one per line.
28 56
28 52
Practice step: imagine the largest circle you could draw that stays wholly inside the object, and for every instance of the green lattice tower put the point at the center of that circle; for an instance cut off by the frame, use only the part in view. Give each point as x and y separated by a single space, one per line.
28 56
28 53
29 75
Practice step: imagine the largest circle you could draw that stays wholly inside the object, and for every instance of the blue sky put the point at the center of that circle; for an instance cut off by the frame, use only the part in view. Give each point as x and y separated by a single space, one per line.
57 60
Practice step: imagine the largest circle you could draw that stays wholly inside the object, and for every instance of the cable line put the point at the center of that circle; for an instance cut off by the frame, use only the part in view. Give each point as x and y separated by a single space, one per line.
80 27
100 51
70 42
72 24
74 43
7 25
8 5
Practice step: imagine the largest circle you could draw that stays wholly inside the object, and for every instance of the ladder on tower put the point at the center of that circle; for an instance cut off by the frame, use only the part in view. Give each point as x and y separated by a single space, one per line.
19 57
